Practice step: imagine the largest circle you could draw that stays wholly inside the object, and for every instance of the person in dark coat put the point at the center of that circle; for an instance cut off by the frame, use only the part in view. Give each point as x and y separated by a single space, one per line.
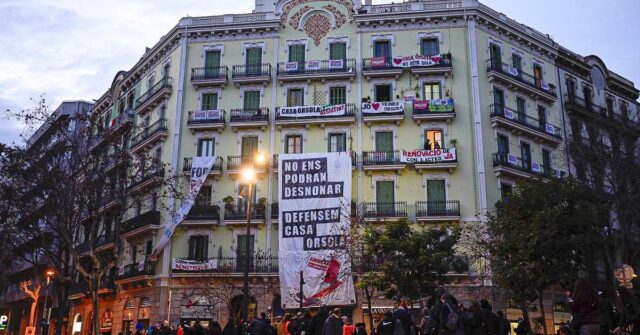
229 328
386 326
449 305
504 327
361 329
522 327
402 314
424 322
488 320
165 330
333 324
317 321
197 329
271 330
214 328
469 318
584 308
259 326
434 316
630 310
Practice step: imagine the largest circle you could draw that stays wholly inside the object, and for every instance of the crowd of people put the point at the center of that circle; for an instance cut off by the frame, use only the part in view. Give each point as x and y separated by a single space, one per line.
593 313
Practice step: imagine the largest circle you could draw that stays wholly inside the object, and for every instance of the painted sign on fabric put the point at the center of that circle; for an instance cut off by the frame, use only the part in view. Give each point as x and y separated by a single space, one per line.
206 115
382 107
428 156
434 105
416 60
314 211
291 66
194 265
336 64
200 169
313 111
378 62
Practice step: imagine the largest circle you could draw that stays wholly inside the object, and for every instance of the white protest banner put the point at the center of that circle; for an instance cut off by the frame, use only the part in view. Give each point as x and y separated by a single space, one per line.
416 60
420 156
291 66
199 171
382 107
535 167
513 71
509 114
544 85
336 64
314 224
314 65
512 159
310 111
194 265
206 115
550 129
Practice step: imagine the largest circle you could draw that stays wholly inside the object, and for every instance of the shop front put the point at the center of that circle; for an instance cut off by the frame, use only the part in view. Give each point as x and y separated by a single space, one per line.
198 308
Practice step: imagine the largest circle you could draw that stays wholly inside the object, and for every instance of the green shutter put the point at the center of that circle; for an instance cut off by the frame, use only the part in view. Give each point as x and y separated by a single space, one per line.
517 62
296 53
251 100
384 141
385 198
338 51
436 197
212 59
254 56
337 95
249 146
210 101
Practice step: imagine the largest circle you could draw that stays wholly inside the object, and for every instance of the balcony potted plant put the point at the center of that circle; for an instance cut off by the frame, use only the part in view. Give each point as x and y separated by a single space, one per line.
453 142
261 206
228 203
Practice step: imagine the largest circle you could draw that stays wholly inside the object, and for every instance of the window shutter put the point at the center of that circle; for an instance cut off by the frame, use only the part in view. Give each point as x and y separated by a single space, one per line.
251 100
338 51
212 59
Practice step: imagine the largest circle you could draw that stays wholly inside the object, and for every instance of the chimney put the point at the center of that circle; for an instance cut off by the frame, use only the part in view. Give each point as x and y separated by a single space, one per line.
263 6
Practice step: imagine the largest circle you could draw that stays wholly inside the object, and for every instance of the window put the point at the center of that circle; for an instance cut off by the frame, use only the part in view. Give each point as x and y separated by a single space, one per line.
436 197
243 194
587 97
542 118
154 201
382 49
130 100
296 53
147 123
521 105
505 191
383 93
517 62
525 152
293 144
251 100
432 91
503 145
209 101
134 253
249 147
295 97
537 74
212 60
624 111
337 95
138 208
148 247
204 196
198 246
385 197
205 147
433 139
384 141
429 46
571 88
244 257
498 100
609 107
253 60
546 161
496 56
338 51
338 142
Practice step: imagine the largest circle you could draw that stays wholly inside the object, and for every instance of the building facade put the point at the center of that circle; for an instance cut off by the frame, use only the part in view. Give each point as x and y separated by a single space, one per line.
480 90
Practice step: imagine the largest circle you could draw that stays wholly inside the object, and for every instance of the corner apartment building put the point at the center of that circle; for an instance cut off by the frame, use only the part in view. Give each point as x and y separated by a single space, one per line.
454 76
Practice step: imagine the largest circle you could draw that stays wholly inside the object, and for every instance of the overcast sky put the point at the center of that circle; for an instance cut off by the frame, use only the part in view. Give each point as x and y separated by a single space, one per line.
71 49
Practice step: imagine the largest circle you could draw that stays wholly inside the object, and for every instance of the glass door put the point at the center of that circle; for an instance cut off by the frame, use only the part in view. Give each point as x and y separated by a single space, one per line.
212 64
253 61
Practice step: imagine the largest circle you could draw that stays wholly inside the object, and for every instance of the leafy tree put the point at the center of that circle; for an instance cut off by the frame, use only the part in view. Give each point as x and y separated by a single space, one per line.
539 236
411 262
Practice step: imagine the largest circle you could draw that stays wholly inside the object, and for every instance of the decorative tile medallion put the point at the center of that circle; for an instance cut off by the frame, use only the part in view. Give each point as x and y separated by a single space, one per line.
317 26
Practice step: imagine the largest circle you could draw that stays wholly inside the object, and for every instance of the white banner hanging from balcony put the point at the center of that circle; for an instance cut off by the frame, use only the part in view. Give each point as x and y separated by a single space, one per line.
206 115
434 105
313 111
382 107
314 224
194 265
200 169
416 60
314 65
336 64
291 66
420 156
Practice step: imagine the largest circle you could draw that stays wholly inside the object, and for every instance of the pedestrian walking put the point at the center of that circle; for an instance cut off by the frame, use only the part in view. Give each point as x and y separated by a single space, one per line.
348 328
406 321
386 326
583 302
333 324
488 321
424 322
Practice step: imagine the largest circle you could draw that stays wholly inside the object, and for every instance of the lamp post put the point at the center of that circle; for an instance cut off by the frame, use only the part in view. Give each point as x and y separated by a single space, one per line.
249 176
50 273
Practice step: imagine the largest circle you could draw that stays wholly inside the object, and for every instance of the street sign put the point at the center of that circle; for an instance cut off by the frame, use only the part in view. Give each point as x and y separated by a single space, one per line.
3 322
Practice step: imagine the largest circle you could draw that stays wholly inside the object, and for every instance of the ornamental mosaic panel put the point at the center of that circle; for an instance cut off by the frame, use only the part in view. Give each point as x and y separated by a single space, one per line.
348 4
317 26
295 18
340 18
598 79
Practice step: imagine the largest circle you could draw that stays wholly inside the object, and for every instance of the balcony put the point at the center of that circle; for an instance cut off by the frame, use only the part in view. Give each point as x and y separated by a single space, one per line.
154 95
306 115
434 110
81 289
521 81
122 121
317 69
203 212
237 214
436 159
109 201
437 211
442 65
136 272
251 74
376 67
141 224
513 166
384 211
206 120
521 123
102 243
381 112
226 265
237 162
382 161
216 169
574 104
209 76
149 136
249 118
145 179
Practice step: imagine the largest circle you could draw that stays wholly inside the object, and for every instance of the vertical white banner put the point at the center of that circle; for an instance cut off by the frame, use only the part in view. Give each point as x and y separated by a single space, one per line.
199 171
314 225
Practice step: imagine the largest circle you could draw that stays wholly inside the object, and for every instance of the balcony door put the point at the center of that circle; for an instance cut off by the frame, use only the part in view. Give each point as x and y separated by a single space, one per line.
204 196
383 93
503 146
537 74
242 257
384 141
293 144
521 106
385 197
432 91
212 63
297 55
546 162
436 197
498 101
542 118
198 247
243 195
295 97
496 56
337 95
516 61
433 139
249 148
525 152
253 61
429 46
382 49
209 101
338 51
206 147
251 100
338 142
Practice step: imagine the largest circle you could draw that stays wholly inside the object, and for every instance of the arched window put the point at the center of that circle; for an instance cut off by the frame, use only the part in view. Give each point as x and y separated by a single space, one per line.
77 324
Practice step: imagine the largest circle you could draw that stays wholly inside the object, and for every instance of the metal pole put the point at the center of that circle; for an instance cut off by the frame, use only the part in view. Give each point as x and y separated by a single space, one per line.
245 290
301 290
46 298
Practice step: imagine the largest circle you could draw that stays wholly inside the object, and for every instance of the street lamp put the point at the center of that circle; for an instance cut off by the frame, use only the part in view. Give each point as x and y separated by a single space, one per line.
49 273
249 177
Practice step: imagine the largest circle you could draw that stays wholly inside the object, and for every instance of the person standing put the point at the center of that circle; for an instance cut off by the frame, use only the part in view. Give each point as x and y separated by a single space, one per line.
434 316
333 324
229 328
179 330
402 314
317 321
386 326
259 326
361 329
504 327
522 327
584 308
630 310
488 320
348 328
424 322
